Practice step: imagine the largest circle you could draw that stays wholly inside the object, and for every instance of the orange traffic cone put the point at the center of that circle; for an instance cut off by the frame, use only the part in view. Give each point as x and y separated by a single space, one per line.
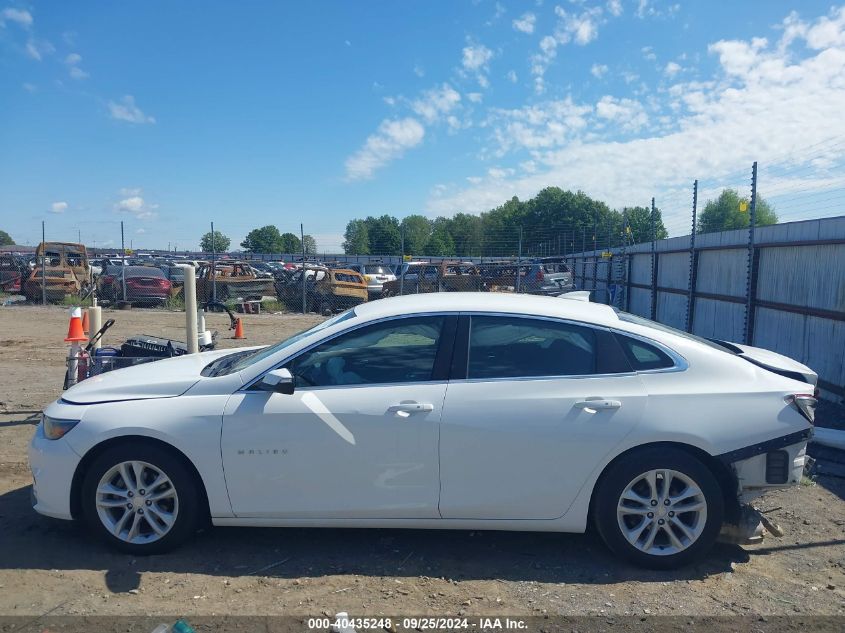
75 334
85 326
239 329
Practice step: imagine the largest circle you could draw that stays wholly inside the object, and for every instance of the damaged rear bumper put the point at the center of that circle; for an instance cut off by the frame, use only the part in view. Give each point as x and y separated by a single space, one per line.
756 469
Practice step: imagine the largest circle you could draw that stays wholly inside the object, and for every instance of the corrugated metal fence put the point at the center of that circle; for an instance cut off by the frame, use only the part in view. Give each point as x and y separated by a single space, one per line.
796 280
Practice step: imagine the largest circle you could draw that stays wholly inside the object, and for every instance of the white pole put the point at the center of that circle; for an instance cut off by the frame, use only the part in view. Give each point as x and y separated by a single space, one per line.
190 290
95 322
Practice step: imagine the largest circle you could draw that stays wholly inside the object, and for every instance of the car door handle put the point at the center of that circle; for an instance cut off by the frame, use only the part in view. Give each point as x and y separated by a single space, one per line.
597 404
407 408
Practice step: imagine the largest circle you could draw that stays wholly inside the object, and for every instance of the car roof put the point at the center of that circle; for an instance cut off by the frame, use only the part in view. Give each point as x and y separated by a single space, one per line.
500 302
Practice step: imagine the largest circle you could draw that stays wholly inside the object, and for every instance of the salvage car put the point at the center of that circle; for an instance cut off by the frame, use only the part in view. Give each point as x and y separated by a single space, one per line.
446 276
13 271
145 285
327 290
233 280
62 267
452 410
374 273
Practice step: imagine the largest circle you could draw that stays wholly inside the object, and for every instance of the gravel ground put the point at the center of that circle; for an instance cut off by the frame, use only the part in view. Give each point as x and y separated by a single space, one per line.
52 566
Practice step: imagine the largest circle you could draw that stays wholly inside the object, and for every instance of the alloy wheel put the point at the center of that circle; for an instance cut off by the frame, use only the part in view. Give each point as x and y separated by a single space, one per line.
137 502
662 512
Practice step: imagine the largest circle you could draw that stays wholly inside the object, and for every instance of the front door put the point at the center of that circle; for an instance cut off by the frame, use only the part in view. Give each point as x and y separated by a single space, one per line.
540 406
359 436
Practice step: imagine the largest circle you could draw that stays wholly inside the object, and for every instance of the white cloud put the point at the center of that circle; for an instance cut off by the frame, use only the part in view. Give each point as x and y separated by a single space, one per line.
72 61
598 70
38 49
77 73
141 231
419 71
511 76
390 141
628 114
126 110
436 102
21 17
58 207
648 53
582 28
135 205
73 58
475 97
614 7
763 101
476 59
525 23
30 87
672 69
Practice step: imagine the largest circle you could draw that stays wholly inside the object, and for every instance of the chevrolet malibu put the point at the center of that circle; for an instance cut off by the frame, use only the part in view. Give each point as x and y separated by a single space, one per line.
450 410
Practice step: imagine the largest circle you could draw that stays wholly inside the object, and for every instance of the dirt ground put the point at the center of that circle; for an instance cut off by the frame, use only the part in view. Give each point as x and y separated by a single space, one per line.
49 566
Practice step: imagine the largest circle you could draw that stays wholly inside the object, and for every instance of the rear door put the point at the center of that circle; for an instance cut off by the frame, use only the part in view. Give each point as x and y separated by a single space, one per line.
534 405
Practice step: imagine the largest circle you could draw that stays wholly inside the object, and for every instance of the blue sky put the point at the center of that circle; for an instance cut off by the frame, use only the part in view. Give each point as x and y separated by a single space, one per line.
168 115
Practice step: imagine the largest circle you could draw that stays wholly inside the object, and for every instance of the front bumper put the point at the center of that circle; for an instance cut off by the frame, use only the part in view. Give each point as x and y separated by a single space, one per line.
53 463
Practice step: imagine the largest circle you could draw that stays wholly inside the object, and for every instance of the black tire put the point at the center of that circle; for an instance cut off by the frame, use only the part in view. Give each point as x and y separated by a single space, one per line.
620 474
173 466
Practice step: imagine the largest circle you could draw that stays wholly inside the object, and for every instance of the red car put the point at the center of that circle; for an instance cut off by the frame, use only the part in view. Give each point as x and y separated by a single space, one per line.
144 285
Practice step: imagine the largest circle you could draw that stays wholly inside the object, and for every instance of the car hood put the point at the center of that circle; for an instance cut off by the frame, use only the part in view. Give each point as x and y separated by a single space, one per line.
773 361
166 378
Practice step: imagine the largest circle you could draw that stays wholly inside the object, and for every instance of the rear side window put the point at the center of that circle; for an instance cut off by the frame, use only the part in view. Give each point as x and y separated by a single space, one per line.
513 347
643 356
349 277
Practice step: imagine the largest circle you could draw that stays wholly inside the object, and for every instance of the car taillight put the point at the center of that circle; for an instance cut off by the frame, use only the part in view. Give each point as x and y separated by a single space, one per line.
164 284
806 405
107 279
540 275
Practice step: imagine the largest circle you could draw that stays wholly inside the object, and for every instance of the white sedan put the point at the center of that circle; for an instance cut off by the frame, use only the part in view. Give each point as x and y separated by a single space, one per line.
458 411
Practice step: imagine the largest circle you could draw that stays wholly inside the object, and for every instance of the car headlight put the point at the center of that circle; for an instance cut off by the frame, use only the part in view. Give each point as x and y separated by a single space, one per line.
55 428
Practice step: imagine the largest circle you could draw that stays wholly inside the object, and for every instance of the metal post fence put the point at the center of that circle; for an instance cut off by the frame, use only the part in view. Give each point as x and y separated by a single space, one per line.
304 271
751 283
519 262
43 267
653 263
123 262
213 266
693 261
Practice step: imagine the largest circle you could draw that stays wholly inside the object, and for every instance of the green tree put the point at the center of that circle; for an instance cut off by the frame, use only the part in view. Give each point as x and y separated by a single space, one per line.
467 234
220 245
267 239
384 235
725 213
6 239
417 231
440 242
289 243
356 240
639 224
310 245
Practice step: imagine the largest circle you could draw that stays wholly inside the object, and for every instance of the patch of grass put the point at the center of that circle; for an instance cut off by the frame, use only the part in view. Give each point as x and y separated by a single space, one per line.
175 303
269 305
74 300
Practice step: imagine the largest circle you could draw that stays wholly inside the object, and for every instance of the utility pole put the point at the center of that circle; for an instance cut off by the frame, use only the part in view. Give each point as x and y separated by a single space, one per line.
519 262
402 262
653 265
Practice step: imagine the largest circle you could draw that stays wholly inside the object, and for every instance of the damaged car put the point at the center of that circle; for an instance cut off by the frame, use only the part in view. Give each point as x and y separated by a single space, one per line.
451 410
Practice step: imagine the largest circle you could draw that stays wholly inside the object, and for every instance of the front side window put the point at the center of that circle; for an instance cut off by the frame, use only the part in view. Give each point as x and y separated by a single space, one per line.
513 347
400 350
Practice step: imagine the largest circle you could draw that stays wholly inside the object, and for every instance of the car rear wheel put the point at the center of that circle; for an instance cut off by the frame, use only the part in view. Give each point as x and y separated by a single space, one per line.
141 499
659 508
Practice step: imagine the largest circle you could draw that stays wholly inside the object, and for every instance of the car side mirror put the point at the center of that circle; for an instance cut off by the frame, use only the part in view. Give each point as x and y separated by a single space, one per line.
278 381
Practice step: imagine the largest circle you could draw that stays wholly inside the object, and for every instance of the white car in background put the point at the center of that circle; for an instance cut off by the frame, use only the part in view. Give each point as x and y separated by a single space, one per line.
448 410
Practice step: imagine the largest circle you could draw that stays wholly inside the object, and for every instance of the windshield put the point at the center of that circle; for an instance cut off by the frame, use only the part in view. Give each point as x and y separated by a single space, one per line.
375 269
638 320
241 360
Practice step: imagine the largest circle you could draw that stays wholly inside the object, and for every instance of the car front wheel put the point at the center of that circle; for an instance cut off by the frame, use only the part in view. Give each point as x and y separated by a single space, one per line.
659 508
141 499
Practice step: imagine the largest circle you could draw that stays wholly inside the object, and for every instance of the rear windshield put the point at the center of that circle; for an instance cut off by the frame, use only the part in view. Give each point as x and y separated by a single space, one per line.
638 320
143 271
375 269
